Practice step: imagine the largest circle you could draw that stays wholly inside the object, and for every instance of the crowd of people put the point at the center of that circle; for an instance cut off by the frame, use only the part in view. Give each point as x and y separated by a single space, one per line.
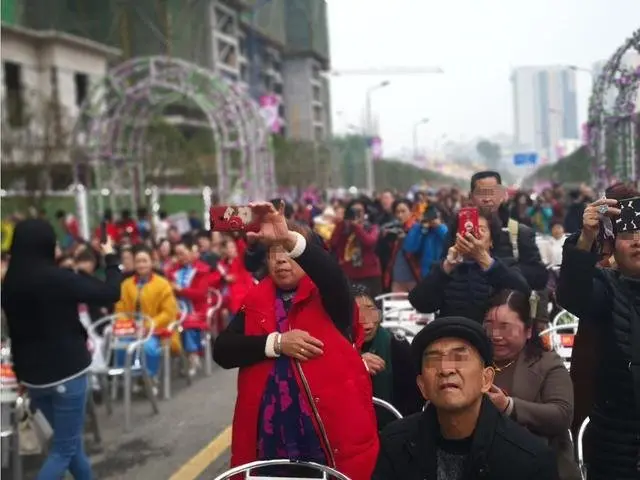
482 395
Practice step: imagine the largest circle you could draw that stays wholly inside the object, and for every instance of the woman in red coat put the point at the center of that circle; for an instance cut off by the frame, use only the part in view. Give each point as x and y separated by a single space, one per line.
190 281
303 391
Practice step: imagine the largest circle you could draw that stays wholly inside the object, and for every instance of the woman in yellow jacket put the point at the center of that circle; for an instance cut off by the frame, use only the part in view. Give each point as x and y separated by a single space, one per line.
152 295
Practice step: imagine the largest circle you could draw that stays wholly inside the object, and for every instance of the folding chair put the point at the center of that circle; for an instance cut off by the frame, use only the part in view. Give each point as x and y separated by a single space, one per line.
131 344
387 406
581 462
10 403
562 343
327 472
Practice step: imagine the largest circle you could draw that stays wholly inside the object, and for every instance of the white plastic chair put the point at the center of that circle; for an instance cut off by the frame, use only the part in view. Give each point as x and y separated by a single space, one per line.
581 463
134 360
562 343
327 472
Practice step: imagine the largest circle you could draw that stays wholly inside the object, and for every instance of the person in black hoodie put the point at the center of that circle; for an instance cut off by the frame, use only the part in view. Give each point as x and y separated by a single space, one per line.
48 342
462 284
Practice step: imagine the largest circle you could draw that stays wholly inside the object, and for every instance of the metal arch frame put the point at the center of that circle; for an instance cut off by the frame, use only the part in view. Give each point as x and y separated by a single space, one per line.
620 122
113 122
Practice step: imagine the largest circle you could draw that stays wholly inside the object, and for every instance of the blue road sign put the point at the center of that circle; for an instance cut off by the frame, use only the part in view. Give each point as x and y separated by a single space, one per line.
521 159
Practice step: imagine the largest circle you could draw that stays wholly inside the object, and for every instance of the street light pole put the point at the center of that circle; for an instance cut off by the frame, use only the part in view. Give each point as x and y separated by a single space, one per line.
415 137
369 133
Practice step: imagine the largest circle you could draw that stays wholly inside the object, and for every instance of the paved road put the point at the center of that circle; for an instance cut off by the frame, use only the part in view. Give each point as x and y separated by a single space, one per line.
164 446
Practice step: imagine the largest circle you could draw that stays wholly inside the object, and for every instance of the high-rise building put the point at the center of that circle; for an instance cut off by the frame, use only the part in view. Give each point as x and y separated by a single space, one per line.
545 108
277 48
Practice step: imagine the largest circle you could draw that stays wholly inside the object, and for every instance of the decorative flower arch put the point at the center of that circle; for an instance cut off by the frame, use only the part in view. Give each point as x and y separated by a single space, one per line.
612 128
111 133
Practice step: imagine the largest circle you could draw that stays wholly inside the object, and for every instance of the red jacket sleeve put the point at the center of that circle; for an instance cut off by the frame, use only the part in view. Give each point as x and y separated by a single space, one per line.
215 279
198 290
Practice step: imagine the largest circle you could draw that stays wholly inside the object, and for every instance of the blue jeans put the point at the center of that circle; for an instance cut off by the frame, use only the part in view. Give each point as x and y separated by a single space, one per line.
191 341
64 407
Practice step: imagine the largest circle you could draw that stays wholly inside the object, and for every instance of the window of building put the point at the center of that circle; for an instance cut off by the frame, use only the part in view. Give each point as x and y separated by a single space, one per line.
316 93
15 94
81 81
317 114
277 88
319 134
244 73
281 111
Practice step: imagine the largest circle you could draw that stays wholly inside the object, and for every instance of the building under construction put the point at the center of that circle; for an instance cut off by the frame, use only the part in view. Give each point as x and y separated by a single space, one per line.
270 47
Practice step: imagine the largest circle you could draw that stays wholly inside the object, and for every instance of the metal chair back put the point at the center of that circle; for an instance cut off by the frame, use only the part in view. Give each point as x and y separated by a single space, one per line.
562 343
387 406
246 469
125 331
580 448
393 301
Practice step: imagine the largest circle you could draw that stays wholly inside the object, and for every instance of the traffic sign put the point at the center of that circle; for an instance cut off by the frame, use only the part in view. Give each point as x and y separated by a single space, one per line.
520 159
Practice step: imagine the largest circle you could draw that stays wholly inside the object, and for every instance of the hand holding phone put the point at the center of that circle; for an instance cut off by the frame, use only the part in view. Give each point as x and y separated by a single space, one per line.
468 222
233 219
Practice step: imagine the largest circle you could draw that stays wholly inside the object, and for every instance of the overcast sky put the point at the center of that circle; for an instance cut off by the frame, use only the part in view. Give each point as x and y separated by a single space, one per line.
477 43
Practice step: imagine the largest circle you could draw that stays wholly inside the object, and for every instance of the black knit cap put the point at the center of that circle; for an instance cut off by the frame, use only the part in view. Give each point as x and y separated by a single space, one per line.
452 327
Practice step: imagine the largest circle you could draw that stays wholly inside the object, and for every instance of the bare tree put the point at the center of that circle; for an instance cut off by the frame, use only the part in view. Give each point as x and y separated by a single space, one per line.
35 145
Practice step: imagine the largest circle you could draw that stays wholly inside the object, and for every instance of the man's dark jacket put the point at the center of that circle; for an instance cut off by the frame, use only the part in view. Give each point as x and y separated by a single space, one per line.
501 449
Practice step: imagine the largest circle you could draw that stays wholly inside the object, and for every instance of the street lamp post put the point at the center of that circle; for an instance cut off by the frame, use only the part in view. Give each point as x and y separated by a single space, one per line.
424 121
369 132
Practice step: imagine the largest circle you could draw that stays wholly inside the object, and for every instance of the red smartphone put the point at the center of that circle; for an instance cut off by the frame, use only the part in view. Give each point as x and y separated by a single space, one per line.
232 218
468 221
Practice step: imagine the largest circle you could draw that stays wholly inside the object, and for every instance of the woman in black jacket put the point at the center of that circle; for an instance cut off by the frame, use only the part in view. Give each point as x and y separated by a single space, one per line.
463 283
607 301
48 342
388 360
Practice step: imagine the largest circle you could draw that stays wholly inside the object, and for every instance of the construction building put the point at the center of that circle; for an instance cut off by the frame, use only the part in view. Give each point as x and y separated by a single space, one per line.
275 48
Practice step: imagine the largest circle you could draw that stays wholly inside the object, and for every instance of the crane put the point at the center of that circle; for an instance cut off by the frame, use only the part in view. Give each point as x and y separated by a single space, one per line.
386 71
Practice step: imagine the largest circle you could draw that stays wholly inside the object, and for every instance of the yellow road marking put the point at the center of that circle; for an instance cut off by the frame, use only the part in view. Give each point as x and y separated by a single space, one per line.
205 457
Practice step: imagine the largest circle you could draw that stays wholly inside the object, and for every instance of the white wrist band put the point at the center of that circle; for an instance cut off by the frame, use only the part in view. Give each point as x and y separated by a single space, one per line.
270 346
300 246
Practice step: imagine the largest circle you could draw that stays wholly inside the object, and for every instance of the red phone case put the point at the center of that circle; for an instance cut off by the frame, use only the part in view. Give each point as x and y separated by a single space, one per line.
468 221
232 218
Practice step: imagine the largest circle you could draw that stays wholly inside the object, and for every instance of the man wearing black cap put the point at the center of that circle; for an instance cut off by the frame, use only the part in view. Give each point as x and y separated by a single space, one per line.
460 435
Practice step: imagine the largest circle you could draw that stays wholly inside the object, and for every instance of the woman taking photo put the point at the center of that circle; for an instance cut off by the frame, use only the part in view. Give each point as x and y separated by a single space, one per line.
608 301
403 271
532 385
303 390
462 283
48 342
